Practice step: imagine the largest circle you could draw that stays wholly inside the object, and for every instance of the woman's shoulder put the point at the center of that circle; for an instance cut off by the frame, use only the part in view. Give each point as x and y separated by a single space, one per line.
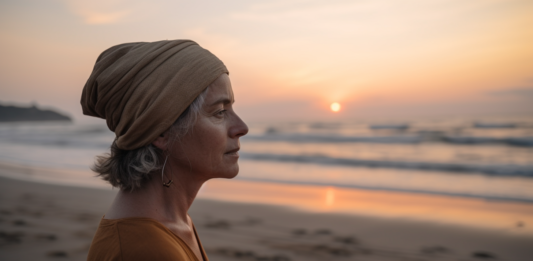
137 239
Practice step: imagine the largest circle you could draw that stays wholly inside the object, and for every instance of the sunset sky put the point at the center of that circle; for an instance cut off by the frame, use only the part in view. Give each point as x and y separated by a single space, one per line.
291 59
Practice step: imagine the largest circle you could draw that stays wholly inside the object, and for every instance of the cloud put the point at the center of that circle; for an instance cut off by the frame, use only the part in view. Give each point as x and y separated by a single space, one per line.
366 17
104 18
526 92
107 11
279 109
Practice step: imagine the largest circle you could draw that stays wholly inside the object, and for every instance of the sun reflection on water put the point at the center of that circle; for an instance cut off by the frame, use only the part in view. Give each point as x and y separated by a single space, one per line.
330 196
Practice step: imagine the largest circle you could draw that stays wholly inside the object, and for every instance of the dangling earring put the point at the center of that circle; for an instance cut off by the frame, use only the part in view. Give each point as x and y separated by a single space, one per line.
165 184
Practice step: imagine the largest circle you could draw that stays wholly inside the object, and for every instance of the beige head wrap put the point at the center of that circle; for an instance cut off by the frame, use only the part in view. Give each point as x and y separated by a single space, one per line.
141 89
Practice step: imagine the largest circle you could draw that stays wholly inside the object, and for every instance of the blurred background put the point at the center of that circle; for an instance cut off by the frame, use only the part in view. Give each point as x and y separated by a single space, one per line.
428 98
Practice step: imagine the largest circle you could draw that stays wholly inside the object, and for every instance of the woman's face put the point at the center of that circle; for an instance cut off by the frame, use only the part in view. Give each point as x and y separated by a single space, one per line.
210 148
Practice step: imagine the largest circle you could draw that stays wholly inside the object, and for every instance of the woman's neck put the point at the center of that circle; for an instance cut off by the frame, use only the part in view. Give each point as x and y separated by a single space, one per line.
153 200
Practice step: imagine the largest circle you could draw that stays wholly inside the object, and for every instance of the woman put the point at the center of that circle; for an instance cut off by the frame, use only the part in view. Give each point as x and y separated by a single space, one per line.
170 106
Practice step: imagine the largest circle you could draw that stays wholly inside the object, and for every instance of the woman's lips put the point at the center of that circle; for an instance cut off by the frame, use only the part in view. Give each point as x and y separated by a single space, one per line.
233 152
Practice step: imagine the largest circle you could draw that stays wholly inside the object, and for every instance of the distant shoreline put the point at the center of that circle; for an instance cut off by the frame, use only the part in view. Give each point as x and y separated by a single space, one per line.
10 113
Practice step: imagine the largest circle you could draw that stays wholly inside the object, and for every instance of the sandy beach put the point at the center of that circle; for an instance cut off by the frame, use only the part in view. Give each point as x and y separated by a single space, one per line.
368 130
54 222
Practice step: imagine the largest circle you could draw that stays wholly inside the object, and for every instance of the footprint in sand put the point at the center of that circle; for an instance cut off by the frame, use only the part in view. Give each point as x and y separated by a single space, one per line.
19 222
10 237
249 255
299 232
57 253
346 240
334 251
221 224
435 250
46 237
483 255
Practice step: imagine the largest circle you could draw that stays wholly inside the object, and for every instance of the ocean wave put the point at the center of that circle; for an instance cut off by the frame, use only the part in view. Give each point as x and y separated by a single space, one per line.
94 140
419 137
492 169
305 138
70 136
485 125
400 127
66 142
512 141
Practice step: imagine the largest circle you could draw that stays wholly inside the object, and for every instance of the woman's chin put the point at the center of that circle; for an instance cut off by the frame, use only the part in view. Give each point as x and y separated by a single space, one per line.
231 173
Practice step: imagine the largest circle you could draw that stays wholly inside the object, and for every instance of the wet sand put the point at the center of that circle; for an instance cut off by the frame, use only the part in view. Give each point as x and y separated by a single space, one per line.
53 222
500 215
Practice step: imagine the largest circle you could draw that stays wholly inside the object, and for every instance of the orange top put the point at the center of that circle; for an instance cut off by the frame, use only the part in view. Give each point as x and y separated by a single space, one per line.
139 239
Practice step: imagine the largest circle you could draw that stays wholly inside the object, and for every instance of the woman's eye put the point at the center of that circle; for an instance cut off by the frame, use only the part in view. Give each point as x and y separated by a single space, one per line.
221 113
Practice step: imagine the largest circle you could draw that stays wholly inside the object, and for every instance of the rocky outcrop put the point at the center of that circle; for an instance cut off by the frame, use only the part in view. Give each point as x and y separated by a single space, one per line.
14 113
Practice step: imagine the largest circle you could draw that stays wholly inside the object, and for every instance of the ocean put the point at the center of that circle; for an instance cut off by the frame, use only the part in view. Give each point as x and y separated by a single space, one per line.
489 159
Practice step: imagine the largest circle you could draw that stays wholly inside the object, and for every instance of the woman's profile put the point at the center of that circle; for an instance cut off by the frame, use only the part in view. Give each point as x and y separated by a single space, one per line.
170 106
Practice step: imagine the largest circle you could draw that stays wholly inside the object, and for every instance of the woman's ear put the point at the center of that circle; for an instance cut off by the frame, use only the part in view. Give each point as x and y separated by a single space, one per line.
161 141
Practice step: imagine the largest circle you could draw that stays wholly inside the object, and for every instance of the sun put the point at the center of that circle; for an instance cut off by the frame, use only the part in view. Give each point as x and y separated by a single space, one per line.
335 107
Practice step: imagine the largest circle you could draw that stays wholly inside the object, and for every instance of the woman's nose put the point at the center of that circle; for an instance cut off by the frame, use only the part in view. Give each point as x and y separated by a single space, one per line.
238 128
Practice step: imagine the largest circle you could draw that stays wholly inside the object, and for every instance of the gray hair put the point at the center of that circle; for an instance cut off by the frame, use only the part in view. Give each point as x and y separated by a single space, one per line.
129 169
